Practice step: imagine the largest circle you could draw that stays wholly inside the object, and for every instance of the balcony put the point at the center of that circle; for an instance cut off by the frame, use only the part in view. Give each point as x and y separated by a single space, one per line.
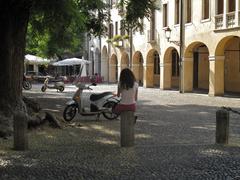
152 36
227 21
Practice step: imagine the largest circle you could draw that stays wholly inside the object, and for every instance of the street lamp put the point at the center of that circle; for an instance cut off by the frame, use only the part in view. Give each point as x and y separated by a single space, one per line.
92 48
168 35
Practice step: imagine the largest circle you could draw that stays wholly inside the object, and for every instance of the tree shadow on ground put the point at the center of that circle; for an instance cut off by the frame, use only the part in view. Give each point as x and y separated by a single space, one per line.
180 138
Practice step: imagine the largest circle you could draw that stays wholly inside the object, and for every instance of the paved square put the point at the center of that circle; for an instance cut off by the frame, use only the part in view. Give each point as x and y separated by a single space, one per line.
174 139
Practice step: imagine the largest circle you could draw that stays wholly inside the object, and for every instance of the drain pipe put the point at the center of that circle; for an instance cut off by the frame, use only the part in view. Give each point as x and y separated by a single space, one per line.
131 48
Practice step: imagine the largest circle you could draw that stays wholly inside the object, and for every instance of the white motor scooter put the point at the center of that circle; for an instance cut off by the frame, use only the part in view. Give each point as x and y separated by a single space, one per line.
59 85
89 103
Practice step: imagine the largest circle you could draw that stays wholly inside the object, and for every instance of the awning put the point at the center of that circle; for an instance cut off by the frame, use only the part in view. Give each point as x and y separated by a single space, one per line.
31 59
71 62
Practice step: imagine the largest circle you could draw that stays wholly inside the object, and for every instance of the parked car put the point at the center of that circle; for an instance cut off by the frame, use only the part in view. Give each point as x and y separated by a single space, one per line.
37 76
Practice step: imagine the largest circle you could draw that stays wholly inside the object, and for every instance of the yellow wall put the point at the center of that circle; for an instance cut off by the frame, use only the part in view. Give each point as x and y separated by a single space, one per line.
148 73
112 74
175 82
188 75
203 71
123 66
138 72
135 69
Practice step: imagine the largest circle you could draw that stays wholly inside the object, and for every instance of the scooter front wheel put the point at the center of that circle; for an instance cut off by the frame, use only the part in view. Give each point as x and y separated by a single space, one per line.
110 114
69 112
61 88
26 85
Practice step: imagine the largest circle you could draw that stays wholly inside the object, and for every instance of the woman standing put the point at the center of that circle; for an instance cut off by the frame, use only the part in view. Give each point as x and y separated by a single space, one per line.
128 91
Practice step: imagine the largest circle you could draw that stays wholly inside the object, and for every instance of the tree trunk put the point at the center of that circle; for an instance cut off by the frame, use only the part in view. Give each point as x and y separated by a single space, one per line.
14 15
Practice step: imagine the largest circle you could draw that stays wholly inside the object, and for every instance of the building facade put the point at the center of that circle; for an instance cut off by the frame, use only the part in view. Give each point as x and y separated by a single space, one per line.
211 49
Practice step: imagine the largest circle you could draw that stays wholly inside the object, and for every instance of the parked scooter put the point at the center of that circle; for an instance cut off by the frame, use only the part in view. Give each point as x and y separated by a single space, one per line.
59 85
89 103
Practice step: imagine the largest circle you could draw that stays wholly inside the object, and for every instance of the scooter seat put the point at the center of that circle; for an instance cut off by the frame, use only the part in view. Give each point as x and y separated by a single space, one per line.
56 80
95 97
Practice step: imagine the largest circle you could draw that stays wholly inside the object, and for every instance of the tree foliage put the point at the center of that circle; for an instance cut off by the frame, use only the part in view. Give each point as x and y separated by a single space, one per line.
136 11
57 26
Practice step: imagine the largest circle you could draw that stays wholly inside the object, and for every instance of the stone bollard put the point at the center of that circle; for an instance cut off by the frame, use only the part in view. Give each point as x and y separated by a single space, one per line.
222 126
20 131
127 128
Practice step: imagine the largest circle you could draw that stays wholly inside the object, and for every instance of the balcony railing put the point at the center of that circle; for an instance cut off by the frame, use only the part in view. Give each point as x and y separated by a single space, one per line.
219 21
227 21
230 19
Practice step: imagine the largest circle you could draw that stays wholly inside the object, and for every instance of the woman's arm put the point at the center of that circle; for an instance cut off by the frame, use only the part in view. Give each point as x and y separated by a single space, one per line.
118 91
136 95
136 92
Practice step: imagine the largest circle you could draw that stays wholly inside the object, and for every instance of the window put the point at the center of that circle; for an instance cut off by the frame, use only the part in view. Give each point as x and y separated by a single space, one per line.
205 8
114 2
110 30
29 67
116 28
189 11
156 63
177 16
231 5
140 58
165 15
122 30
142 24
220 7
175 63
110 3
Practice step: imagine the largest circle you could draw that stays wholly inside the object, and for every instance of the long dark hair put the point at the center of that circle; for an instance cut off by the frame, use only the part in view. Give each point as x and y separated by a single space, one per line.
127 79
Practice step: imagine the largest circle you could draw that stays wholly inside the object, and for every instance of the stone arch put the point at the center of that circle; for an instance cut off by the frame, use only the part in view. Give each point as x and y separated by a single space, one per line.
137 67
104 63
113 69
170 70
226 74
196 67
221 45
152 69
124 60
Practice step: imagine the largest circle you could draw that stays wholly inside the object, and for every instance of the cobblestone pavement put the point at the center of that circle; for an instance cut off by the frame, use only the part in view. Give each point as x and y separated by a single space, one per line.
174 139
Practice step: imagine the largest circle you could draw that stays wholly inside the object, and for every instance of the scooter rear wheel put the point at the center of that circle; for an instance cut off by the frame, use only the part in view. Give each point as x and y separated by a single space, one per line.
110 115
43 89
69 112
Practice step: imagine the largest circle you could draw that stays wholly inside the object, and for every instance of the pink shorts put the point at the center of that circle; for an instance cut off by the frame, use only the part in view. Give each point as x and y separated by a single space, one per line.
124 107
